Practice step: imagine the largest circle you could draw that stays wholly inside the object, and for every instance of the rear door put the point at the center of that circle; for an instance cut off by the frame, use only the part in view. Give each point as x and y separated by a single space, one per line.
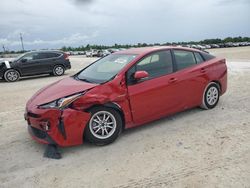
159 94
191 76
48 60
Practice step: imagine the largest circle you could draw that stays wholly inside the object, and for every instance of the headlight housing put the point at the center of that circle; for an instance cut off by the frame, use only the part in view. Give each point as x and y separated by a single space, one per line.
61 103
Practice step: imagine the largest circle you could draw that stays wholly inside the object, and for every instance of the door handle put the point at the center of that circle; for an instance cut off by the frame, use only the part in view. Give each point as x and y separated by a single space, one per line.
203 70
172 80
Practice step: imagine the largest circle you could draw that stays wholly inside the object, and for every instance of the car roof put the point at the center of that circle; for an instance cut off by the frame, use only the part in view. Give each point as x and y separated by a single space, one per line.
146 50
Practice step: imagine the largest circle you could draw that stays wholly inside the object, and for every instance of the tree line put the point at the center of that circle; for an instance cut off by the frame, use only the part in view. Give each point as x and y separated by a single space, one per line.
101 47
206 41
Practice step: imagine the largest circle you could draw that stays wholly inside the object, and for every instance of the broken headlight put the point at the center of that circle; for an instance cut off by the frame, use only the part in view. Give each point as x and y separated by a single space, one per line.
61 103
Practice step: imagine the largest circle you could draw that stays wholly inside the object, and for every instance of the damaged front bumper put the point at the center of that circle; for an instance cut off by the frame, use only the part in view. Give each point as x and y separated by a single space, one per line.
54 126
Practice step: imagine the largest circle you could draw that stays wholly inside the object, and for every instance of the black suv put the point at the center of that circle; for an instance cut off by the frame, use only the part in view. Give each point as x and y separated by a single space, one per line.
34 63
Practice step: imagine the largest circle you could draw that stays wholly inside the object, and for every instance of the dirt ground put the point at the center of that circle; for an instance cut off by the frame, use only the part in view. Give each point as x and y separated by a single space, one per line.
195 148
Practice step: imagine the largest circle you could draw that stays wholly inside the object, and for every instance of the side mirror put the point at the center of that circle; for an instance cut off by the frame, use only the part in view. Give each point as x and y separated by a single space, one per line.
24 60
140 75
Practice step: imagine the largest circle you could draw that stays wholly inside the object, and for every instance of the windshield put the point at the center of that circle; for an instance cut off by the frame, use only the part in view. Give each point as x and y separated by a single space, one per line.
106 68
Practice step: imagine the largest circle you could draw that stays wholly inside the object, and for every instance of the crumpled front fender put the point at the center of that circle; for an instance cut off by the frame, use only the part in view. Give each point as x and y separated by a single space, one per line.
112 92
74 124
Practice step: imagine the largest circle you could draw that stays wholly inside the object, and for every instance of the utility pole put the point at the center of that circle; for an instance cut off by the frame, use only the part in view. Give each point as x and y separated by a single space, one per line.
21 38
4 49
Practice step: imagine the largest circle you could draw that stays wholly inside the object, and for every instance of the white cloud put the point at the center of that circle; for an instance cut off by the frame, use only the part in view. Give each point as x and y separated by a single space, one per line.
50 24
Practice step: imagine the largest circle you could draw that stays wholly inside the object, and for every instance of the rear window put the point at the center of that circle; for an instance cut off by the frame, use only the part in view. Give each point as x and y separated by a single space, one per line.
207 56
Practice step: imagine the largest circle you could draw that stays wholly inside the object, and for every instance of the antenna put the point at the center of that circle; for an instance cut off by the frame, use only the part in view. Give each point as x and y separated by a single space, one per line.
21 38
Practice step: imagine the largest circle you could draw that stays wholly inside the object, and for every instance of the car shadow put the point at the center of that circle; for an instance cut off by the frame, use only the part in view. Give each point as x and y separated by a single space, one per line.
161 121
86 146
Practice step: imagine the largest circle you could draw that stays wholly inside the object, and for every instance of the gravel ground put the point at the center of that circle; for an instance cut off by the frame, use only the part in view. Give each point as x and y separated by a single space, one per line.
195 148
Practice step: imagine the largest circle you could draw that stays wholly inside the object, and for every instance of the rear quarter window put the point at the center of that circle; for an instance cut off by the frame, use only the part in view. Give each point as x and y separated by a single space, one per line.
207 56
53 55
198 57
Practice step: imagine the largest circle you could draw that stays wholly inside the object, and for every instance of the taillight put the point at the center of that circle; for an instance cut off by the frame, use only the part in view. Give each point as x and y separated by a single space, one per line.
66 56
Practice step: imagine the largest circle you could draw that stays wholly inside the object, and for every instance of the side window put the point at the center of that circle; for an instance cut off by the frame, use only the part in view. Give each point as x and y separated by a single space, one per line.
146 60
42 56
57 54
36 56
155 58
31 56
198 57
52 55
184 59
47 55
156 64
207 56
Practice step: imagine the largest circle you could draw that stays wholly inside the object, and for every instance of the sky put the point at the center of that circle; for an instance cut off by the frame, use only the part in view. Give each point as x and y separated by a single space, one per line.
47 24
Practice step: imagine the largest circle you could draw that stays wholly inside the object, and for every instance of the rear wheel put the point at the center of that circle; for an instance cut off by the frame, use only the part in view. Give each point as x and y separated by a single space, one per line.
11 75
211 96
58 70
104 126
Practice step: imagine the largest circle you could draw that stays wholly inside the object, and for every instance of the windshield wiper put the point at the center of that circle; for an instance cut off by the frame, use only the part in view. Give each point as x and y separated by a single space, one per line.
83 79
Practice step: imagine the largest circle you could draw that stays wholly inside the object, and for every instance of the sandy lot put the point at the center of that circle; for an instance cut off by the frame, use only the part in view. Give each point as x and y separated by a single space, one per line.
195 148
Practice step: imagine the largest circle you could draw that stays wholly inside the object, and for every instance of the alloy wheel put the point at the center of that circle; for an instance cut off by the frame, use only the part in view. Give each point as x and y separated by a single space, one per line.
59 70
102 124
212 95
11 76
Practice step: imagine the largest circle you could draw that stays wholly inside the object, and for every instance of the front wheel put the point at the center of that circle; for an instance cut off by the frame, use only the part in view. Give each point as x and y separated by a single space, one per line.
104 126
211 96
11 75
58 70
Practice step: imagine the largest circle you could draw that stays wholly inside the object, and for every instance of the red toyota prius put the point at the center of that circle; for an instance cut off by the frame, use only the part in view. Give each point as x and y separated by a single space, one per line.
123 90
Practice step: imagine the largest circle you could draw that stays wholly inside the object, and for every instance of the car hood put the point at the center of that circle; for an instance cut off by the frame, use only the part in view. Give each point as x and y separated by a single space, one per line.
59 89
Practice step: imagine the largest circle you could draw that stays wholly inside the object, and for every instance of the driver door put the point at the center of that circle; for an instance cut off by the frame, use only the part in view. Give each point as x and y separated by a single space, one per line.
28 64
156 96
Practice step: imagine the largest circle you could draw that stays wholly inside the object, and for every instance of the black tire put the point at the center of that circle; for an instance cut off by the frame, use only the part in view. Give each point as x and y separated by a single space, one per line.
211 96
94 130
11 75
58 70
